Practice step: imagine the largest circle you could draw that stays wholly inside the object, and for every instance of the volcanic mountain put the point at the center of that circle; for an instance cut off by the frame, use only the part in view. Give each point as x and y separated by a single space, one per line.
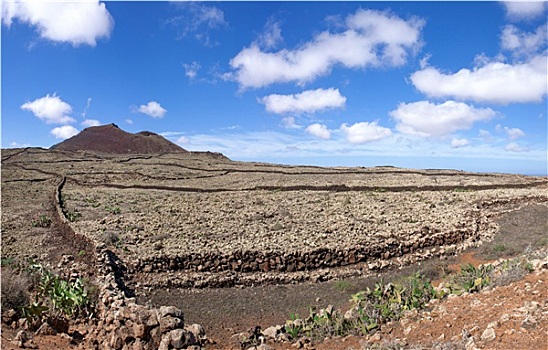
113 140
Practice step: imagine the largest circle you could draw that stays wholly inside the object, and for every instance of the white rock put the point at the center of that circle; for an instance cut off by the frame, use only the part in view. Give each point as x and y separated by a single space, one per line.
488 334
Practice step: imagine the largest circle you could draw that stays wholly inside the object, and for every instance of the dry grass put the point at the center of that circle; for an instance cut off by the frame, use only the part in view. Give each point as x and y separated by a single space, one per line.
15 287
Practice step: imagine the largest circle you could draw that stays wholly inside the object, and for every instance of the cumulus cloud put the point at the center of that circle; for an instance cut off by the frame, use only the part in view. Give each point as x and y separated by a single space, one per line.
90 122
50 109
319 130
519 10
309 101
370 39
64 132
424 118
495 82
458 143
74 22
152 109
364 132
514 133
522 43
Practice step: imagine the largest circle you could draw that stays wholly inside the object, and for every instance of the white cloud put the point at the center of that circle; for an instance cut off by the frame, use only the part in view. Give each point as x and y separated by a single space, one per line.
88 104
424 118
183 140
271 35
289 123
91 122
50 109
514 147
364 132
495 82
152 109
129 121
514 133
318 130
198 20
191 70
15 144
64 132
309 101
523 43
458 143
518 10
75 22
370 39
299 148
485 135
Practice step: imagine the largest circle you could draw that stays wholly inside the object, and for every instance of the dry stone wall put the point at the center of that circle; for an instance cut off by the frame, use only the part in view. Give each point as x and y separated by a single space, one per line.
122 323
259 261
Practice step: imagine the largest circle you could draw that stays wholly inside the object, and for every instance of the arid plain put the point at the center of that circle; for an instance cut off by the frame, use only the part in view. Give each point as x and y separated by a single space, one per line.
199 220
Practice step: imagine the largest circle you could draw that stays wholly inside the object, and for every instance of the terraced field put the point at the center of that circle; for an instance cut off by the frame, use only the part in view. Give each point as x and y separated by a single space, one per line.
215 222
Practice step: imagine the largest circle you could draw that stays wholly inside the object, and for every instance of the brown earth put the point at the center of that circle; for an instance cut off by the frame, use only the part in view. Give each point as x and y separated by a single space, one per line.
110 139
171 206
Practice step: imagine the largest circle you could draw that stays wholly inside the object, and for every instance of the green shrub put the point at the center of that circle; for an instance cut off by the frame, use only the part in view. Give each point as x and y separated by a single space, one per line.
43 221
371 307
70 298
113 209
387 302
73 215
470 279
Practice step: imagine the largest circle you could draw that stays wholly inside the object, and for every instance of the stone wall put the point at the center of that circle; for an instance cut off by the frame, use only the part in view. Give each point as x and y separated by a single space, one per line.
123 324
259 261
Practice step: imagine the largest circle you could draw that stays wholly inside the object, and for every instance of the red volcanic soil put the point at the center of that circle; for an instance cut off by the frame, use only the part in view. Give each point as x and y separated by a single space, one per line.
113 140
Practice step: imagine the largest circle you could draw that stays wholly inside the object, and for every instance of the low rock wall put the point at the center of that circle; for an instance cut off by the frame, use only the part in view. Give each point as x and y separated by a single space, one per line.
258 261
124 324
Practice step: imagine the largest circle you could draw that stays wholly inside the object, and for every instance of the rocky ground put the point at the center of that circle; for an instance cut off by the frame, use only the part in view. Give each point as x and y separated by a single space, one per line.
200 221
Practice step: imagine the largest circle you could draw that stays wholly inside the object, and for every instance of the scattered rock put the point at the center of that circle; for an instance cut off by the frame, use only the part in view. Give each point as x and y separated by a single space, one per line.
271 332
46 329
488 334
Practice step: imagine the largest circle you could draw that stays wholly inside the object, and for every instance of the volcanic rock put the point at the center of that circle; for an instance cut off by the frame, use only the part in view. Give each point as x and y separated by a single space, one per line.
111 139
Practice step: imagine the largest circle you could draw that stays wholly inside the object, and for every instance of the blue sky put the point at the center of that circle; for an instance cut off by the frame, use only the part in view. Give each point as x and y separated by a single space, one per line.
414 84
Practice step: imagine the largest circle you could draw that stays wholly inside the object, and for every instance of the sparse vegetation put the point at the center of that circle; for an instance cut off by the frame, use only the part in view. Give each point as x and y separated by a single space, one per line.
15 288
92 202
43 221
113 209
58 295
371 307
73 215
470 279
342 285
